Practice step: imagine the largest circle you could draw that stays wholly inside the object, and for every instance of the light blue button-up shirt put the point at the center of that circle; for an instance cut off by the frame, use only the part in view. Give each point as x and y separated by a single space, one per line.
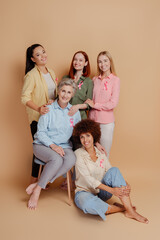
56 126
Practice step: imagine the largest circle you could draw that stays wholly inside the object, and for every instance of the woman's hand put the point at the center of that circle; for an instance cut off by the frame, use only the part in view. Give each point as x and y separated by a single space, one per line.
128 186
73 110
57 149
43 109
50 101
101 148
90 102
121 192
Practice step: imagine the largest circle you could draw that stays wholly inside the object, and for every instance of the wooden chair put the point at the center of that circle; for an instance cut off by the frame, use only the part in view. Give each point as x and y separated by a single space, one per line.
69 180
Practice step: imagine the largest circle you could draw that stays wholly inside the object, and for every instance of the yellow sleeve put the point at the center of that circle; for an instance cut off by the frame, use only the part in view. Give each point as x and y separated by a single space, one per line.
28 86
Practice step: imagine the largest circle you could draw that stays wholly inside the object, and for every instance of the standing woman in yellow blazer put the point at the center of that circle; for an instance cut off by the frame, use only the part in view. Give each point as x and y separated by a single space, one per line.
39 89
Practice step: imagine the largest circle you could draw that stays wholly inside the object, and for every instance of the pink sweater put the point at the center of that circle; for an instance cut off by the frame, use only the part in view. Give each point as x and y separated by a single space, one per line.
105 98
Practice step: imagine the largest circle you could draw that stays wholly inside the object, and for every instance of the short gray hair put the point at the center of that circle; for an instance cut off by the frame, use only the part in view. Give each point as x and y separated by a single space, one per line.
67 82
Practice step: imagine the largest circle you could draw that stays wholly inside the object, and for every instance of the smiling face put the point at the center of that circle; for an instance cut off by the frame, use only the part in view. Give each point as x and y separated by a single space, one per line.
39 56
104 64
64 95
87 140
79 62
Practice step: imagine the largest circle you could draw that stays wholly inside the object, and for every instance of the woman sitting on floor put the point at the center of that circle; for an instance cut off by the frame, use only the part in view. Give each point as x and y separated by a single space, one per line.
52 141
96 181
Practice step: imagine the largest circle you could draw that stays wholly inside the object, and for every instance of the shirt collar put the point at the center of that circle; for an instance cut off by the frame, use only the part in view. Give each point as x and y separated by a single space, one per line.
40 70
109 77
82 78
86 154
56 105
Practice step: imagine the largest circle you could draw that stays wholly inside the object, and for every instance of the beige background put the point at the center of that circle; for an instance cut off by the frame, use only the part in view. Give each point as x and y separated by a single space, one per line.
130 31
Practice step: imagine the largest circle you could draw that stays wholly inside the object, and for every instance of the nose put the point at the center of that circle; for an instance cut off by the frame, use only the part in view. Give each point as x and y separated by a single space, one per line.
85 139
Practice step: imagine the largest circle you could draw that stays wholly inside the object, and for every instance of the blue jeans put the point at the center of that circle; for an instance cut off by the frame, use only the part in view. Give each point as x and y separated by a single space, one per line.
95 204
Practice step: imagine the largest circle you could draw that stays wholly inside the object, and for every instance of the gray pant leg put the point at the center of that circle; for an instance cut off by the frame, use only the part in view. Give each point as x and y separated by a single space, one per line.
53 162
69 160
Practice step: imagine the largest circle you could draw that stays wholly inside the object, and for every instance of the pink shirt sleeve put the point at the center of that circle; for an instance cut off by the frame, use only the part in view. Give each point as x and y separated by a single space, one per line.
113 101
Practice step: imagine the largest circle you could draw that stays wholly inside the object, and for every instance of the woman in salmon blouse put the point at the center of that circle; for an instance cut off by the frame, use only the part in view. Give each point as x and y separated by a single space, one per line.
105 98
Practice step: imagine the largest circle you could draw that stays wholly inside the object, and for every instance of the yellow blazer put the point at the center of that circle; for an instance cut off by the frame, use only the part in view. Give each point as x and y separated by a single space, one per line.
36 90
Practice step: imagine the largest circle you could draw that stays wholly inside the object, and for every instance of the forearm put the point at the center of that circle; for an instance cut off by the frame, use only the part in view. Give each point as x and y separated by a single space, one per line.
105 188
106 106
82 106
32 105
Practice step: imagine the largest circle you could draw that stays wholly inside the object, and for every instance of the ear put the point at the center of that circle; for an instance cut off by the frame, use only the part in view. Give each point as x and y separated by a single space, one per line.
32 59
86 63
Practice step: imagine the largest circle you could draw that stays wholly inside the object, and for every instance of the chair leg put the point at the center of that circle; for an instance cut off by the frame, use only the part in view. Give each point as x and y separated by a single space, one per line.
40 169
69 187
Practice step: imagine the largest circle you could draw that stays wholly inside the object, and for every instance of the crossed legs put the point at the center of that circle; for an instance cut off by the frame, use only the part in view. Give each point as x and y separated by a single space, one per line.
55 167
97 205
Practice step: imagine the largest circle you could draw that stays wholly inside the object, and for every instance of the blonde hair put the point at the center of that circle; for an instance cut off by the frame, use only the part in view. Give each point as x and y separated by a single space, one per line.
107 54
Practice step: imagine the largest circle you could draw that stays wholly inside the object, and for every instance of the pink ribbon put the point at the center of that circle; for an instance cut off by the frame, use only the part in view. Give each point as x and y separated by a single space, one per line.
105 85
101 161
71 121
56 79
80 84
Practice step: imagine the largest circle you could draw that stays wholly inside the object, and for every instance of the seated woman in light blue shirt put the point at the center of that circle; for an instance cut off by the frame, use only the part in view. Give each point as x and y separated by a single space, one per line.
52 141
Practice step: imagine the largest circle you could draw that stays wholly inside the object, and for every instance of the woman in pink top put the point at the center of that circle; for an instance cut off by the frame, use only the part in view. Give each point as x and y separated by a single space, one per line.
105 98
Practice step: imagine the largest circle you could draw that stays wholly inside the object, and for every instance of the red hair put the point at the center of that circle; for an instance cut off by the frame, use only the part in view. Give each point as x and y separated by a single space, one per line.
86 69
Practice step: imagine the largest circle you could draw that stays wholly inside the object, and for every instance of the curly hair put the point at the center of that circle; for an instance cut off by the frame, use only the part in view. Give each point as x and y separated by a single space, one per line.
87 126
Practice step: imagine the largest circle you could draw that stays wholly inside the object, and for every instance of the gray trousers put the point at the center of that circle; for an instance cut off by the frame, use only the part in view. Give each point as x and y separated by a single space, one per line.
55 165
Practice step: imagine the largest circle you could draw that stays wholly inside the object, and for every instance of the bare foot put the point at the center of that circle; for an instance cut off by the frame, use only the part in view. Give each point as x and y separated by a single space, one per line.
114 209
136 216
120 205
64 185
33 201
30 188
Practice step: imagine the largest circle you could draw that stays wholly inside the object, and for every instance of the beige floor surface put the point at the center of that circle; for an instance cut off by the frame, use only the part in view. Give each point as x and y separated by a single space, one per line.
54 219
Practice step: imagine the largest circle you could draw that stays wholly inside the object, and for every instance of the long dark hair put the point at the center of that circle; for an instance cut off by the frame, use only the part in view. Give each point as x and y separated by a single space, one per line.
29 53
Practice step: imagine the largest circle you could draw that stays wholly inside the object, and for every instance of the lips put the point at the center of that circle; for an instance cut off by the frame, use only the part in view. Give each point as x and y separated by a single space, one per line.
44 59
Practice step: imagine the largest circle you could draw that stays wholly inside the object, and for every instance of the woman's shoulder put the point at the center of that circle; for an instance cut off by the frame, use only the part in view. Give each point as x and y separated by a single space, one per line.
80 151
32 73
99 153
88 79
51 71
114 77
94 78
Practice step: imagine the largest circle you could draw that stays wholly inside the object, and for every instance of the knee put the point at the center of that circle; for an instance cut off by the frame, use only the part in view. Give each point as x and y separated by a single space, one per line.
56 162
90 204
71 161
114 170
